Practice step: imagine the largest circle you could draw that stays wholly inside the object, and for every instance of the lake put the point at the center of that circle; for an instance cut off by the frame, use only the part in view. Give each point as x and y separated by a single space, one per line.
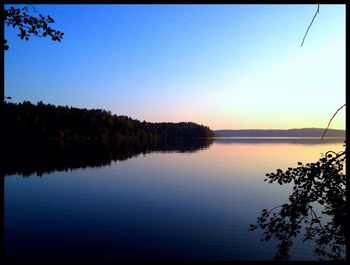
178 201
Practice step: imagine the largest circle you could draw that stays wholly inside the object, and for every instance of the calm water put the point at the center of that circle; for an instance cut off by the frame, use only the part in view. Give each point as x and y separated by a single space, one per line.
178 204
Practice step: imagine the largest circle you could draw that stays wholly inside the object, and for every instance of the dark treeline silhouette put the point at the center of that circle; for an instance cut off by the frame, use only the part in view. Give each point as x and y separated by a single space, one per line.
39 158
26 121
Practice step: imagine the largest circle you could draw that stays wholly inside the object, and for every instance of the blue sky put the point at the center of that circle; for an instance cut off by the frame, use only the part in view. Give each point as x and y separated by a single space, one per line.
225 66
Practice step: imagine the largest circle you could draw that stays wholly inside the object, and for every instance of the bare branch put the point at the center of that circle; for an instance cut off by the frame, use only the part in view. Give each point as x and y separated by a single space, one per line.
331 120
316 217
275 208
312 21
337 155
331 152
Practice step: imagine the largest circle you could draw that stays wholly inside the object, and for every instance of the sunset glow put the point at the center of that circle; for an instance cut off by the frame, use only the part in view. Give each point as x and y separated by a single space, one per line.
224 66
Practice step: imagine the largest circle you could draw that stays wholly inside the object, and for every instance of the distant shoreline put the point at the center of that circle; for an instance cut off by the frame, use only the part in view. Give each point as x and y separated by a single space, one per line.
280 140
277 137
294 133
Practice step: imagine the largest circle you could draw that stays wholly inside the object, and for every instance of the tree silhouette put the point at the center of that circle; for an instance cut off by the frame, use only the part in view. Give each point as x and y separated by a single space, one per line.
322 183
26 122
315 184
29 25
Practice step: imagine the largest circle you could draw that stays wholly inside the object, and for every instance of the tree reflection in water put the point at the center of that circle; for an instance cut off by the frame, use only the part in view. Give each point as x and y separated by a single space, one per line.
45 157
322 183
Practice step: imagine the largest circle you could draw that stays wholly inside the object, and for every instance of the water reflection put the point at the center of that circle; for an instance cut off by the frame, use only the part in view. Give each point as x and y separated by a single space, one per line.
40 158
171 206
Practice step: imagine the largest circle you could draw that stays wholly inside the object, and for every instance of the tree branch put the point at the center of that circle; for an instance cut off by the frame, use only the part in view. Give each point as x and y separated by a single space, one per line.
274 208
337 155
312 21
318 220
331 120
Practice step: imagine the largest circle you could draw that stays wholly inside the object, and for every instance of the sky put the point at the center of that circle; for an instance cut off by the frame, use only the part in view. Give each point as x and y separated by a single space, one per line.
224 66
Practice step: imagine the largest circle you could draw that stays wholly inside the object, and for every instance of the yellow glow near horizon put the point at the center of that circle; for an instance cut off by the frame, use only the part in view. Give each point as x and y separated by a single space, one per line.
224 66
302 90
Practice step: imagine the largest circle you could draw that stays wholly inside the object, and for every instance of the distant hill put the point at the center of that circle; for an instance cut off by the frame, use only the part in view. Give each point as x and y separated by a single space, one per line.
305 132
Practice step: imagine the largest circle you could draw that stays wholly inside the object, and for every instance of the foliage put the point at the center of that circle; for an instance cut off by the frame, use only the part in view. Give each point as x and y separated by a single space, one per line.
29 25
322 183
27 122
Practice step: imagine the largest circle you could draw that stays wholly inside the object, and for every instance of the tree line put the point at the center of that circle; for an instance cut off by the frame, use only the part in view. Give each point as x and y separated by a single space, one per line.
26 121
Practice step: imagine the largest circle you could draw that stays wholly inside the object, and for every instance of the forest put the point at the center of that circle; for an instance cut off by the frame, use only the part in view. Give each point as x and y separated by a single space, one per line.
25 121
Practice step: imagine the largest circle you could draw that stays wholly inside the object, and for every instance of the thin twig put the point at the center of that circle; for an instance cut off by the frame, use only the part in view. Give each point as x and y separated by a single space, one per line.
331 120
275 208
313 212
341 153
312 21
329 152
34 8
